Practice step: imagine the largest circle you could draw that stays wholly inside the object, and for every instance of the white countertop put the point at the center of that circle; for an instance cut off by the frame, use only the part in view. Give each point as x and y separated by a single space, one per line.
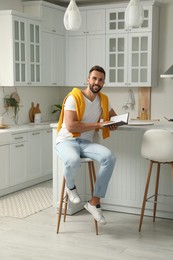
140 125
26 127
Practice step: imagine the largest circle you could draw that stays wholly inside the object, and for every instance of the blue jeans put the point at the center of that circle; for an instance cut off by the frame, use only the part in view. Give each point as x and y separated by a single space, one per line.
70 151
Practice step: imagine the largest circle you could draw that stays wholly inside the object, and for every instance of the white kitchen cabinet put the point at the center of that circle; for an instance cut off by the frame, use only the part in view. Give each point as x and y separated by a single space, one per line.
129 60
53 19
51 15
53 42
20 49
5 169
131 53
53 60
115 20
86 47
93 22
25 157
34 154
46 152
18 158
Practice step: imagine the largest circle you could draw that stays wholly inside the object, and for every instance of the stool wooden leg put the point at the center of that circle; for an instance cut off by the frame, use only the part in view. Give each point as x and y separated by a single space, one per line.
65 206
145 194
156 191
60 204
92 177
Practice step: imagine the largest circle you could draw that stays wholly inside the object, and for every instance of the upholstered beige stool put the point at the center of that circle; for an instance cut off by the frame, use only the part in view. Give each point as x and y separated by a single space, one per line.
157 146
64 199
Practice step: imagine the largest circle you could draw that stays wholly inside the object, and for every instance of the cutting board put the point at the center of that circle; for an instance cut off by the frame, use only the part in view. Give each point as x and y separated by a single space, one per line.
34 110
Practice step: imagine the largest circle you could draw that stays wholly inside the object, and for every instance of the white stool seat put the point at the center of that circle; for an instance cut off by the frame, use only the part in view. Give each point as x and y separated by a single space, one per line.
157 145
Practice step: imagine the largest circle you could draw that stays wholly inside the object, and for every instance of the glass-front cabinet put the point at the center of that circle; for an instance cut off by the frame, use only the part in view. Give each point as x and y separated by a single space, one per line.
115 20
139 59
19 49
131 59
26 51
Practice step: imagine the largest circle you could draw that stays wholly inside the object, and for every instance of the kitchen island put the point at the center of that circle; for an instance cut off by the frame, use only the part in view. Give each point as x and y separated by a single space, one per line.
126 187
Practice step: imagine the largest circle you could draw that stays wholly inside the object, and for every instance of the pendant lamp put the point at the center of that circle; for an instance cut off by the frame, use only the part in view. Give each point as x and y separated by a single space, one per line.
134 14
72 17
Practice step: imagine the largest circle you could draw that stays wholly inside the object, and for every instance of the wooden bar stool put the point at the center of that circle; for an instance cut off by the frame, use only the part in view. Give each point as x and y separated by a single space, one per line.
64 199
157 146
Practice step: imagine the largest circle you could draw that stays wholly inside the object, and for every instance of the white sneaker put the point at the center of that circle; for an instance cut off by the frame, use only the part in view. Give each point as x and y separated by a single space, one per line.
96 212
73 195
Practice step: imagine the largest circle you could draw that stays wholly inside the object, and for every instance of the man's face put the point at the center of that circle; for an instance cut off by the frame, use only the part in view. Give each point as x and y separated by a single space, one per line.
96 81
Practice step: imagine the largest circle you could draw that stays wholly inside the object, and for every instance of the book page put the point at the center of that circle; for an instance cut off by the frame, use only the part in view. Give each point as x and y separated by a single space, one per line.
118 120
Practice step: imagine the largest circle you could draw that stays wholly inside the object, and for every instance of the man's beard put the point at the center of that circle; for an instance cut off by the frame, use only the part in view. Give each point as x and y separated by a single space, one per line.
93 90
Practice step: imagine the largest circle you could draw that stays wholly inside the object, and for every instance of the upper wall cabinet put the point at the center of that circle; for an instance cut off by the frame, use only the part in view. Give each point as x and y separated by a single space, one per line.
93 22
20 50
115 20
50 14
85 47
53 41
131 53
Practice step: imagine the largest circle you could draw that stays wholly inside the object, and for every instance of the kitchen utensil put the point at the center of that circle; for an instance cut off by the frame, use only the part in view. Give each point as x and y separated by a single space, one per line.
170 120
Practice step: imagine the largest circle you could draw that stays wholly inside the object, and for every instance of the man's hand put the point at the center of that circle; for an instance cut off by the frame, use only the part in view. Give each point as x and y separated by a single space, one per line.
111 127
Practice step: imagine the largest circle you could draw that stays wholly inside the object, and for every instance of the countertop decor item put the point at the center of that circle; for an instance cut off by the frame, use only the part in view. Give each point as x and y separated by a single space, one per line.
11 104
57 108
72 17
34 110
134 14
130 102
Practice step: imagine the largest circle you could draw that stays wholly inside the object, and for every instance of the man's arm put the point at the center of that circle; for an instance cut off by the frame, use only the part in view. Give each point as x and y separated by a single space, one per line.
73 125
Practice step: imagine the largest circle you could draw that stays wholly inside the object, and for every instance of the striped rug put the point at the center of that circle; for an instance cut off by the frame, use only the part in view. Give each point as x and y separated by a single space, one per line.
26 202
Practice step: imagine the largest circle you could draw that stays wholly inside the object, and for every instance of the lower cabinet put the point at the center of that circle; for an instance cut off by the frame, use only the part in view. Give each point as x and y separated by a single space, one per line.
34 154
5 169
46 152
26 159
18 158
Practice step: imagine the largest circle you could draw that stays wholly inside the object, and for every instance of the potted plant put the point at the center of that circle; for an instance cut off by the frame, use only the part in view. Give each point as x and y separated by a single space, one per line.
57 109
11 103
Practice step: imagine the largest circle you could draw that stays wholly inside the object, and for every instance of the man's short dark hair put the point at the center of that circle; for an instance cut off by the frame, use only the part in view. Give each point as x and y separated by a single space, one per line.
98 68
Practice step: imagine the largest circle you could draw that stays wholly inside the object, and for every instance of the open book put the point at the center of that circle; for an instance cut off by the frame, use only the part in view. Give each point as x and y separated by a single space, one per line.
118 120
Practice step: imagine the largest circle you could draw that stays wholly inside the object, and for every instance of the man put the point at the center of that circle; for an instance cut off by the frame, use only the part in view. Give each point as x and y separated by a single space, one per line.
80 118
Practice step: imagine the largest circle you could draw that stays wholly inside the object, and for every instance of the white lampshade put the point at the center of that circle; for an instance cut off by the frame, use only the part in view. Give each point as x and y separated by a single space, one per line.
72 17
134 14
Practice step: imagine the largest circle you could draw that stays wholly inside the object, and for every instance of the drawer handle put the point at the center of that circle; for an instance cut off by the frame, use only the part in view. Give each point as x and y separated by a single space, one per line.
36 133
18 138
19 145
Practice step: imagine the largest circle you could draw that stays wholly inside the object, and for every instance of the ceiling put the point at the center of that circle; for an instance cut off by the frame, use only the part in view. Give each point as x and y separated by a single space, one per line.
93 2
82 2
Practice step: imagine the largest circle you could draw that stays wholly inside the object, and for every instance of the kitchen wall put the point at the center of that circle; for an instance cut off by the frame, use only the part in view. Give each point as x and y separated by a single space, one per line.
161 96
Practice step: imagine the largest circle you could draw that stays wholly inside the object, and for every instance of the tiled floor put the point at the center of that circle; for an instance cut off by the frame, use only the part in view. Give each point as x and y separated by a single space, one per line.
35 238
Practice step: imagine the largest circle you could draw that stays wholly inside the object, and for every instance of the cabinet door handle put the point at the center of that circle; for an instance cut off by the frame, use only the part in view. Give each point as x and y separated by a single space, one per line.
49 131
19 145
53 30
18 138
37 133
